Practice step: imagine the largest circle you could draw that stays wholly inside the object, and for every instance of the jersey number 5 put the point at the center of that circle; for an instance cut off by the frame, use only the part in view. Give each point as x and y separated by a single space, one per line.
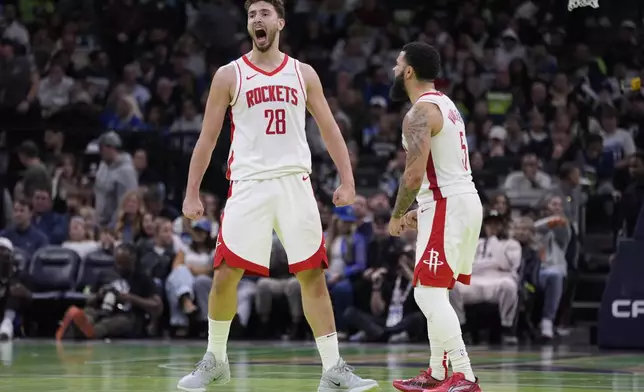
276 121
464 148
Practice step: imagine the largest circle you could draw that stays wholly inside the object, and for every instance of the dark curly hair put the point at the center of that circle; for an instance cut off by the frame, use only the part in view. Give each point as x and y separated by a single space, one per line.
277 4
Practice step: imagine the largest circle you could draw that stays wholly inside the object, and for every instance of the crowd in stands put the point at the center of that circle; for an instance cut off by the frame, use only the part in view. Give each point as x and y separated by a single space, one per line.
552 134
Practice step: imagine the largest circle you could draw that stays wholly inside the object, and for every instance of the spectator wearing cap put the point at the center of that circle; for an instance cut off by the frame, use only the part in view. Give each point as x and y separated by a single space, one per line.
497 137
114 178
347 251
36 176
22 234
188 285
495 276
14 295
509 49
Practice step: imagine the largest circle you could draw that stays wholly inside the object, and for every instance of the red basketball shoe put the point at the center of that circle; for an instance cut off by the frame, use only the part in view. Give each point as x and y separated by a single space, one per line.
456 383
417 384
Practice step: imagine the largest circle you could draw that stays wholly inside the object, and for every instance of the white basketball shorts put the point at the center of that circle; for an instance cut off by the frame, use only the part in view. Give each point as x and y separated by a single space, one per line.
448 233
257 207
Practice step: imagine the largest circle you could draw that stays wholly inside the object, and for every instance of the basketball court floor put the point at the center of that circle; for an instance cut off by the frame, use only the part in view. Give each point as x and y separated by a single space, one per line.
155 366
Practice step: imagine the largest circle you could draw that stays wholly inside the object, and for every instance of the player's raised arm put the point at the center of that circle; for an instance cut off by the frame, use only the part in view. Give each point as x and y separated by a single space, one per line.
319 108
418 124
218 100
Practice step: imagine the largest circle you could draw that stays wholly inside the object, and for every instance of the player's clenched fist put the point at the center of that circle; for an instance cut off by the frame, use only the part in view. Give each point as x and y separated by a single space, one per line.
192 208
410 220
345 195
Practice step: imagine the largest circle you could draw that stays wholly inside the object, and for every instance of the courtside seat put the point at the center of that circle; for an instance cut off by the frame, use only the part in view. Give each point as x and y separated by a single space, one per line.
53 271
90 268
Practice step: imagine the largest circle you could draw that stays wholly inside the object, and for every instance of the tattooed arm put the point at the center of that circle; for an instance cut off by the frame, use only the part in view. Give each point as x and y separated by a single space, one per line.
423 120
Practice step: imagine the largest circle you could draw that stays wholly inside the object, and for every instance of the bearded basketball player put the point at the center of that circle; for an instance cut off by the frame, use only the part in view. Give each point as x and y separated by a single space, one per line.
437 174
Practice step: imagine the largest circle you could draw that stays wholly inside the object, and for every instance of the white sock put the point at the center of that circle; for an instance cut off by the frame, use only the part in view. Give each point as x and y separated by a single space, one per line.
442 324
459 358
438 362
218 332
9 315
329 350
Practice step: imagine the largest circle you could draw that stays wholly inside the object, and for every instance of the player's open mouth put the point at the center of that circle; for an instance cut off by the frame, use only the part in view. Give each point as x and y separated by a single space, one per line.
260 35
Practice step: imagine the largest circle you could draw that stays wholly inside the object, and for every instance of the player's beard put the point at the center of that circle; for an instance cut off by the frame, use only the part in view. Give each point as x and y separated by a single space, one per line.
270 40
398 92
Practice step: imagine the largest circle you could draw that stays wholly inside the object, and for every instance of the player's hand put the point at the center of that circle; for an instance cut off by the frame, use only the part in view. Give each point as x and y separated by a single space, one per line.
410 220
192 208
396 226
345 195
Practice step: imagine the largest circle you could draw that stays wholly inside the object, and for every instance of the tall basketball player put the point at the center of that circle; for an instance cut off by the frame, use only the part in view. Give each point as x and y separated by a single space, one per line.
269 166
448 218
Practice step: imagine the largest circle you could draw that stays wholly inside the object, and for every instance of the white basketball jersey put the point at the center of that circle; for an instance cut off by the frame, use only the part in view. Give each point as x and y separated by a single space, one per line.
448 170
268 114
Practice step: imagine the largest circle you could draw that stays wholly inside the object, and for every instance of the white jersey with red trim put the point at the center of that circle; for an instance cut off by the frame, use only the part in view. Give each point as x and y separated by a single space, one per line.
448 170
268 114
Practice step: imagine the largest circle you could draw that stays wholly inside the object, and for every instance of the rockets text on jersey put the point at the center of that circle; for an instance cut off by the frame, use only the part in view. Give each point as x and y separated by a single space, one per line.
448 171
268 114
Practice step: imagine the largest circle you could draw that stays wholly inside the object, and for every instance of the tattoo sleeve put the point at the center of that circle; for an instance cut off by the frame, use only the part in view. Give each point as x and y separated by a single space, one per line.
417 134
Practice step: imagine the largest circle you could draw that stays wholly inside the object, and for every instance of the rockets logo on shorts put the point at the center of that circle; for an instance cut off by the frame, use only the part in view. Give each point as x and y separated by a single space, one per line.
433 263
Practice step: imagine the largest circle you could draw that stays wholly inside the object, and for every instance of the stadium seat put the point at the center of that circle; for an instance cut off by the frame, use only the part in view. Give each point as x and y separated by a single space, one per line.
90 268
53 271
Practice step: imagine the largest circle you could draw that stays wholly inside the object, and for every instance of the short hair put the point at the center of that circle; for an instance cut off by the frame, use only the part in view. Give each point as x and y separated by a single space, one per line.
424 59
566 169
127 248
29 149
277 4
23 202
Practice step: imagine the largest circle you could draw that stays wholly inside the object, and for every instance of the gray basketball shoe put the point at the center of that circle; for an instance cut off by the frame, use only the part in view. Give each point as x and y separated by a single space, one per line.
208 371
341 378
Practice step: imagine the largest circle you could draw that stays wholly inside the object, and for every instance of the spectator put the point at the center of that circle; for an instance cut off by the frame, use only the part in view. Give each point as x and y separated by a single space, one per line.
633 197
119 303
13 28
19 82
569 190
22 234
394 315
79 239
347 260
616 140
54 92
554 237
280 284
529 179
190 120
129 217
495 276
140 93
14 295
153 199
36 176
54 225
188 285
65 183
146 176
158 253
115 177
126 117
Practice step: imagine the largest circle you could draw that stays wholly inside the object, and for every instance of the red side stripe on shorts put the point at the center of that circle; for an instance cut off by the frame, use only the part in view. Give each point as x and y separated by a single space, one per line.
433 270
430 171
232 152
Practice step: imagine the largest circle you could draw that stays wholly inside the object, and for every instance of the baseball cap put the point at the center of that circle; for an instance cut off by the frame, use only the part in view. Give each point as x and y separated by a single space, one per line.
29 148
202 224
345 213
378 101
493 214
6 243
110 139
498 132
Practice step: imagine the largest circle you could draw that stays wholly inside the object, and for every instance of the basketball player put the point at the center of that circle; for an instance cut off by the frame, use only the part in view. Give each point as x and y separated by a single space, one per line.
269 166
448 219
